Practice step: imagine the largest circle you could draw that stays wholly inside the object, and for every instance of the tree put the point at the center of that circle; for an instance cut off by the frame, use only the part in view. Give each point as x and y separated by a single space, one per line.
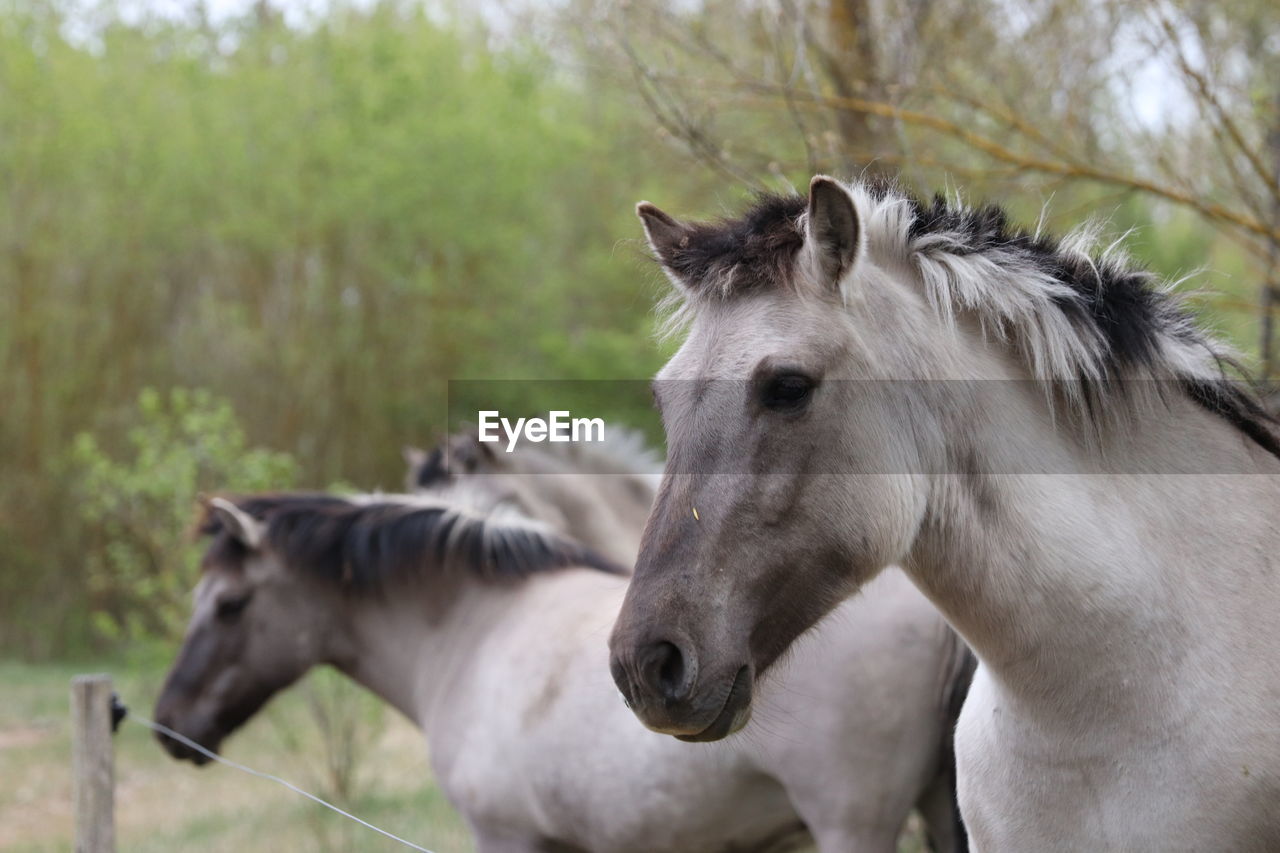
1052 97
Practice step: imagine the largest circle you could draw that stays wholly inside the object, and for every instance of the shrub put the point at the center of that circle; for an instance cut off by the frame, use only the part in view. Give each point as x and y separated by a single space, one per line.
139 509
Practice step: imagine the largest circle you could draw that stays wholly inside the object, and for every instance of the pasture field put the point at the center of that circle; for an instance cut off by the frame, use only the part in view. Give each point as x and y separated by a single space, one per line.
164 805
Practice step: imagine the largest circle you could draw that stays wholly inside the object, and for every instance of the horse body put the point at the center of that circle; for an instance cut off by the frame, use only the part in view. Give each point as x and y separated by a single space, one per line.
490 633
830 758
1129 692
1049 448
1118 712
528 738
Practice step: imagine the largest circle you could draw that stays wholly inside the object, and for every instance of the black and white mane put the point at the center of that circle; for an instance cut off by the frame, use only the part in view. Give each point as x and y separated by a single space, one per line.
364 541
1083 319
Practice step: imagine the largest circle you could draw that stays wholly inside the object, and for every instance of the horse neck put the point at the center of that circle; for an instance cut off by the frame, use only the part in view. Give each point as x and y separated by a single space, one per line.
1067 585
410 645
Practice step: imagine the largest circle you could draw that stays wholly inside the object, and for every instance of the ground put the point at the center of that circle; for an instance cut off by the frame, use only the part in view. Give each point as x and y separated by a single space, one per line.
164 805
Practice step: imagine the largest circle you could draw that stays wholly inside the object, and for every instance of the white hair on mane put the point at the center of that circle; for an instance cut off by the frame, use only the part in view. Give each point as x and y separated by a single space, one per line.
1006 279
1017 298
1084 320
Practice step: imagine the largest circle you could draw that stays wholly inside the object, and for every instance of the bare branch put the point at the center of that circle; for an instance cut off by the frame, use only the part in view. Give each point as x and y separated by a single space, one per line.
1005 154
1206 94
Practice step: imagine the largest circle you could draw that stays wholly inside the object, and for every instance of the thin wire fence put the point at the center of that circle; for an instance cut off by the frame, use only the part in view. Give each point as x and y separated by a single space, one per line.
185 741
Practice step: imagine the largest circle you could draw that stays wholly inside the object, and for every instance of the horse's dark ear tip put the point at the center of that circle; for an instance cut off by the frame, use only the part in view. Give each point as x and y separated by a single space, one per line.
647 211
823 184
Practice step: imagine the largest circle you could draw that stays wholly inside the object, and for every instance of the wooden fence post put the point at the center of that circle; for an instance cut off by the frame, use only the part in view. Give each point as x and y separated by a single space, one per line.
93 764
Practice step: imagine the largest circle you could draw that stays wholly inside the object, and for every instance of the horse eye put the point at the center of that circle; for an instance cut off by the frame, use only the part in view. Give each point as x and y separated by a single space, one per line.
229 609
787 392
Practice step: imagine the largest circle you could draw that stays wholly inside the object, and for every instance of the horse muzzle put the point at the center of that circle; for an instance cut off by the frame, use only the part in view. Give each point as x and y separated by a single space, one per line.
208 736
660 683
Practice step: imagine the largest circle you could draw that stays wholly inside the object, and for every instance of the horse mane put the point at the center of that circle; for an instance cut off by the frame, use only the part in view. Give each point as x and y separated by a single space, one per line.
1085 320
364 541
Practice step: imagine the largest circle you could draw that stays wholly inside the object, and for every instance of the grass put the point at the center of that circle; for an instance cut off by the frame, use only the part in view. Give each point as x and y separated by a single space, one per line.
164 805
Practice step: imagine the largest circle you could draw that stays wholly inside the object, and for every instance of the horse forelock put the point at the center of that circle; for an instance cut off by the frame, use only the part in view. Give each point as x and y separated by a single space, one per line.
1084 319
748 253
363 542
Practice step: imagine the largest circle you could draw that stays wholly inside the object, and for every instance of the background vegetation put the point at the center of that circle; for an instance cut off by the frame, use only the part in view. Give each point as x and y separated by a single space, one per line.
317 226
164 806
246 244
312 222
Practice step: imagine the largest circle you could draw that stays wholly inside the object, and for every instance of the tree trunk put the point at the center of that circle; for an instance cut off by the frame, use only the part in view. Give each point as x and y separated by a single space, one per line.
853 68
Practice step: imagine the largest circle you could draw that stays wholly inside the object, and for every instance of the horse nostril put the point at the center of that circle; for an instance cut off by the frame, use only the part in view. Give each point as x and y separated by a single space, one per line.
665 671
671 669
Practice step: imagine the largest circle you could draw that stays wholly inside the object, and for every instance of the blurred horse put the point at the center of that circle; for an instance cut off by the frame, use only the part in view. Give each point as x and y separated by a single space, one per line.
488 630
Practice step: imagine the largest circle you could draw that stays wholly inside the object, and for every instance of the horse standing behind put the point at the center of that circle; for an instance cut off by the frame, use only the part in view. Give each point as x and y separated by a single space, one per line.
489 632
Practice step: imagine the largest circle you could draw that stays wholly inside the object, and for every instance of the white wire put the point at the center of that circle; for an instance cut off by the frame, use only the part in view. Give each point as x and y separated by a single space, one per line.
182 739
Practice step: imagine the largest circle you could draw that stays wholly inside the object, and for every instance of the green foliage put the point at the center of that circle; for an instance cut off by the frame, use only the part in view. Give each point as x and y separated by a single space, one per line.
164 805
347 722
140 508
322 225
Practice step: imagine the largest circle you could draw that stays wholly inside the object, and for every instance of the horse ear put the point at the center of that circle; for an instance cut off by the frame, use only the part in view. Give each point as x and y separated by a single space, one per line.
244 528
426 468
666 235
467 451
834 234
